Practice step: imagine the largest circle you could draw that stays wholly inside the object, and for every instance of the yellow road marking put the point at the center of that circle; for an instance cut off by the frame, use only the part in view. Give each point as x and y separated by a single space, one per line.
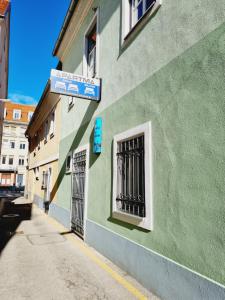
98 261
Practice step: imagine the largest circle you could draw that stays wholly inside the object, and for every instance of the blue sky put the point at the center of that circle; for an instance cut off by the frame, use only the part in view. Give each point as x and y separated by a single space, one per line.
35 25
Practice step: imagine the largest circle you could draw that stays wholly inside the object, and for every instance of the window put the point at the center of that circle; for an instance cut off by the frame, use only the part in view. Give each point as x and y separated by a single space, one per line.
16 114
21 161
4 159
46 131
52 124
10 160
132 187
135 10
91 52
12 144
69 162
30 114
20 180
6 179
44 180
22 146
91 49
36 171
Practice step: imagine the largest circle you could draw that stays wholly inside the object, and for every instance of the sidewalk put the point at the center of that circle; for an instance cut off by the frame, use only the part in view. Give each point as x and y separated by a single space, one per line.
43 261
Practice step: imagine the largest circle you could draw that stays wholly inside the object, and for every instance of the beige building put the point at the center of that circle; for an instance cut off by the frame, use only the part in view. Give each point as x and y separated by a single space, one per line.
14 148
43 135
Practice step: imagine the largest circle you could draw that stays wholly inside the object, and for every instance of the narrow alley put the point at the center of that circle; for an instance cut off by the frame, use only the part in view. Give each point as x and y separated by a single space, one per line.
44 261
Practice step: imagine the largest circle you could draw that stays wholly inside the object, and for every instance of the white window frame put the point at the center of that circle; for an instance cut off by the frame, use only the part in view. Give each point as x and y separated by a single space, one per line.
127 26
95 20
147 221
30 114
69 170
16 111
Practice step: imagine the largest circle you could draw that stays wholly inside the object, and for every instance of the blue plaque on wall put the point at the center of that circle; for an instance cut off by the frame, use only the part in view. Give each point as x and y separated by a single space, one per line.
98 136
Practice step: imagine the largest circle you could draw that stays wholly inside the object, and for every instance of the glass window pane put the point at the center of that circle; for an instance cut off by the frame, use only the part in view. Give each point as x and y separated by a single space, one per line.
149 3
140 10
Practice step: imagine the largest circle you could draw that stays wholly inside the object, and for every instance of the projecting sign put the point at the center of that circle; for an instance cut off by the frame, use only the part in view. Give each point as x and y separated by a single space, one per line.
75 85
98 136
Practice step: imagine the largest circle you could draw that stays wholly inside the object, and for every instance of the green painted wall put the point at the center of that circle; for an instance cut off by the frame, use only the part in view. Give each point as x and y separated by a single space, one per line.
183 97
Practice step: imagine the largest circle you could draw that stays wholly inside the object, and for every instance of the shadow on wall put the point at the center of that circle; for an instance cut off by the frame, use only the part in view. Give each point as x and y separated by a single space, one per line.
11 215
75 143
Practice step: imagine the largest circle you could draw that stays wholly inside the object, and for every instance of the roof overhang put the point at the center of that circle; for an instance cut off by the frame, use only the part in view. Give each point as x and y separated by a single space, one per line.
45 105
76 13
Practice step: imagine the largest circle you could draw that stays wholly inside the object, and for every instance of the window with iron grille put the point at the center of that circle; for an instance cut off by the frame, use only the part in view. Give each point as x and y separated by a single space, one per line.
130 176
132 180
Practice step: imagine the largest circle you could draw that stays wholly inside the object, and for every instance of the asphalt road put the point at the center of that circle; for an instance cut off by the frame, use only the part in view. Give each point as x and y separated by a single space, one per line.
43 261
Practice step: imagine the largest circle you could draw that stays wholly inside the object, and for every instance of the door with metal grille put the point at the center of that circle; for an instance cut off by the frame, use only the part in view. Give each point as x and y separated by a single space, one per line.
78 192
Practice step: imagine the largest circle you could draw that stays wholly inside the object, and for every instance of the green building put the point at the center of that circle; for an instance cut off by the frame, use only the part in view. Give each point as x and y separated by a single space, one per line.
153 200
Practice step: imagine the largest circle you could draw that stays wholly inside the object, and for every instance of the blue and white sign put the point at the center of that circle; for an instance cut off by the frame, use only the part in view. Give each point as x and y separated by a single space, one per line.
97 148
75 85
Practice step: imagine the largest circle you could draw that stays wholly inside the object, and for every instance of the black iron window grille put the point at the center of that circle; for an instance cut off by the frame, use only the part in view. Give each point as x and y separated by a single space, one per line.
131 176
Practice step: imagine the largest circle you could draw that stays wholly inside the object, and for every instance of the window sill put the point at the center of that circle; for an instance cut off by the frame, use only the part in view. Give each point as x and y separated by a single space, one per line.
131 219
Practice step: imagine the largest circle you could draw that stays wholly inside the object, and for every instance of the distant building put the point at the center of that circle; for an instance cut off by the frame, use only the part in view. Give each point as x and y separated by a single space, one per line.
14 147
43 134
4 55
4 46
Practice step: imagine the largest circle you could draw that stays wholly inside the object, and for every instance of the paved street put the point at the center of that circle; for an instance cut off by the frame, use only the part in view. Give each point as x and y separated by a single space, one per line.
43 261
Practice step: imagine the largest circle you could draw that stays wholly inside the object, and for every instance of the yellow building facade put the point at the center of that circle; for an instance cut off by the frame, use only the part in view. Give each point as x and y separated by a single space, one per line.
43 134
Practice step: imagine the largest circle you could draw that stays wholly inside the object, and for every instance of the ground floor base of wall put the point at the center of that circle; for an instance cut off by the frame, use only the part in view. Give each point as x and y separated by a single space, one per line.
160 275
